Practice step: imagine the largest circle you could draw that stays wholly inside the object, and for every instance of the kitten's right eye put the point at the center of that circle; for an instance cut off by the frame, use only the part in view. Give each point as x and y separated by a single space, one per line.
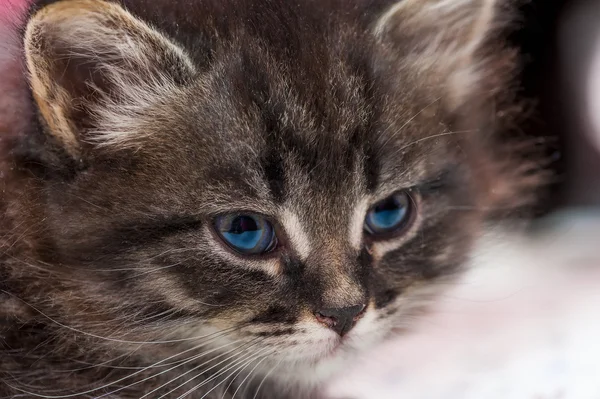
247 234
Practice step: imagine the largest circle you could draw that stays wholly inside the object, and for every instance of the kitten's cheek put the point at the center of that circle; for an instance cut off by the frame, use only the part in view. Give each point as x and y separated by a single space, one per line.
379 249
367 330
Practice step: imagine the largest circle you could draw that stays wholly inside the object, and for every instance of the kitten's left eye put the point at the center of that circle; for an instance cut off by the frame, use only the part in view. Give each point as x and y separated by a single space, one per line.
247 234
389 216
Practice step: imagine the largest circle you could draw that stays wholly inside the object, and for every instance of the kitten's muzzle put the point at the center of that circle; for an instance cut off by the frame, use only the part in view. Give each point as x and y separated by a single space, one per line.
340 320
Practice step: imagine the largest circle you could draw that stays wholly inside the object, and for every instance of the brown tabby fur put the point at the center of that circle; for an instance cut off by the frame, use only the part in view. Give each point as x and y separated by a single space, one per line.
111 280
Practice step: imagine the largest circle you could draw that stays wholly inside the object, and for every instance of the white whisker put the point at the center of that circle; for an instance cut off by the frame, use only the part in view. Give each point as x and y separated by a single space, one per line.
265 378
195 368
204 371
249 374
408 121
179 364
95 335
123 378
240 371
244 361
433 136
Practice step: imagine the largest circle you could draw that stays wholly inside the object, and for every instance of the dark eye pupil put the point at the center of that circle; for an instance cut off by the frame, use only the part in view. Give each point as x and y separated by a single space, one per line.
243 224
388 205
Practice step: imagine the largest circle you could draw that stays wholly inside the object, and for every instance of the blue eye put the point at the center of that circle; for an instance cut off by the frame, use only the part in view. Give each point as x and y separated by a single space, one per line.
247 234
389 215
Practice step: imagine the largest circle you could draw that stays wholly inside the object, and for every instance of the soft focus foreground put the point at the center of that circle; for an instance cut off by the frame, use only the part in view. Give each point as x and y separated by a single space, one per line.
523 324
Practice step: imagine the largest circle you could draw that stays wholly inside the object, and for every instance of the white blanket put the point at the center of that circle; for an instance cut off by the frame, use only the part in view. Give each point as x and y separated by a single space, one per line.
524 323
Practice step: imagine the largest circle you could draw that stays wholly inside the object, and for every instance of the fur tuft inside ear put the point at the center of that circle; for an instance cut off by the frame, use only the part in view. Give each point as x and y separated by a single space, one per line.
96 71
448 40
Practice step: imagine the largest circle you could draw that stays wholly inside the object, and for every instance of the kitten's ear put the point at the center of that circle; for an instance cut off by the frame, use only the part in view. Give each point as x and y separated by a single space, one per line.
96 71
446 42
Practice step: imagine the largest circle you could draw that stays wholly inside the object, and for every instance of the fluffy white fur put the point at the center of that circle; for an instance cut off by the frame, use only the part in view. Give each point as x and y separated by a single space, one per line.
523 324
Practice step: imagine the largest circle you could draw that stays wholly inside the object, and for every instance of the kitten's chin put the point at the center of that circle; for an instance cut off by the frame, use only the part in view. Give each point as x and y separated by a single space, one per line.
312 373
315 374
320 362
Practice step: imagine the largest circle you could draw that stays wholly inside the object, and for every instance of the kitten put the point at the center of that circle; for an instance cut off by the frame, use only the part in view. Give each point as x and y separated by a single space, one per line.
235 198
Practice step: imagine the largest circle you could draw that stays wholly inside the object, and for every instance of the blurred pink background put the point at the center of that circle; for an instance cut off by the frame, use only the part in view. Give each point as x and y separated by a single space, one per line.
9 7
13 104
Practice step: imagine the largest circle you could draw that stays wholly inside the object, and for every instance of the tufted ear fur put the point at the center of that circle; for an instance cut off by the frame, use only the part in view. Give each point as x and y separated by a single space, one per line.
96 71
448 44
456 50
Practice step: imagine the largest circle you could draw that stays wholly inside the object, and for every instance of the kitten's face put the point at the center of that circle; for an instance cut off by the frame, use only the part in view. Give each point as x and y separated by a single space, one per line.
298 205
